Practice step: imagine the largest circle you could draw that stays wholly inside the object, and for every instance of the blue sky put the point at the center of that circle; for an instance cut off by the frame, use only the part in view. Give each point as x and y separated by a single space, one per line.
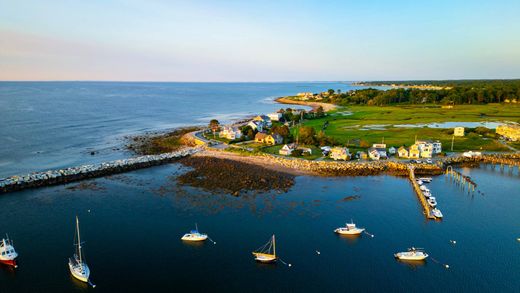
258 40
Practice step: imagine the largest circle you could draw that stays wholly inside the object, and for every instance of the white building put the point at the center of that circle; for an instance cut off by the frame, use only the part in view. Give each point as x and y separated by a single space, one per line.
287 149
230 132
275 116
256 125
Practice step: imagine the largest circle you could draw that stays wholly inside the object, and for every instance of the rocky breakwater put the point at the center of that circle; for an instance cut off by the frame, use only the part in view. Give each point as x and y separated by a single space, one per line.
498 159
53 177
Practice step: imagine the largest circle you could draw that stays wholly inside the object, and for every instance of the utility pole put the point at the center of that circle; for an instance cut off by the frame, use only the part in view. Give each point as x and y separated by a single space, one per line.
452 141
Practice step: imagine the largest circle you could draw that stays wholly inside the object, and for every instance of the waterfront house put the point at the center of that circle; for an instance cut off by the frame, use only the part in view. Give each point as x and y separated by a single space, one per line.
287 149
428 146
230 132
374 154
256 125
381 149
268 138
339 153
392 151
263 119
305 151
276 116
458 131
362 155
509 131
414 152
403 152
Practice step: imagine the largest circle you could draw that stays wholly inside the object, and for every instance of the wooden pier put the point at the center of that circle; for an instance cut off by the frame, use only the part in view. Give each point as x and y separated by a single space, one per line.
461 179
420 196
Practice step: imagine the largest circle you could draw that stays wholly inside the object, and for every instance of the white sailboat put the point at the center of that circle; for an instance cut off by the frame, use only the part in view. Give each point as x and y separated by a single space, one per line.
194 235
77 266
266 253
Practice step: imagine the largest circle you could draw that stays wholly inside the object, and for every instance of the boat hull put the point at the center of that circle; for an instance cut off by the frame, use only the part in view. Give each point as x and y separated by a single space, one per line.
9 262
355 231
264 258
406 257
83 277
194 238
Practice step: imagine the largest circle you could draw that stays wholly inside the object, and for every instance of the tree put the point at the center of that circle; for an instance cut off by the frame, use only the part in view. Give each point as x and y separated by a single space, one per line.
214 125
330 91
307 135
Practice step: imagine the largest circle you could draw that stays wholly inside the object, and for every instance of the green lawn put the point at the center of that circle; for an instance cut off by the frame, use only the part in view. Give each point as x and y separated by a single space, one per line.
316 151
348 128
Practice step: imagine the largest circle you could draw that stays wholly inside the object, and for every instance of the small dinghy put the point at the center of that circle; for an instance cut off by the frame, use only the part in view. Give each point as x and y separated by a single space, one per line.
426 179
266 253
77 266
413 254
437 213
432 202
7 253
194 235
349 229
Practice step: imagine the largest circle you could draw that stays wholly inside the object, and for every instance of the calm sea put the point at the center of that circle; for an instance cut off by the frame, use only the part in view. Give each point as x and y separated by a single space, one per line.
132 223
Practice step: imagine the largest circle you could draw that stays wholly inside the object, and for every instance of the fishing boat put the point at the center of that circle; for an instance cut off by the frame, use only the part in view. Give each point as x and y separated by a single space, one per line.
432 202
349 229
423 188
426 179
195 235
412 254
77 266
437 213
419 182
7 253
427 194
266 253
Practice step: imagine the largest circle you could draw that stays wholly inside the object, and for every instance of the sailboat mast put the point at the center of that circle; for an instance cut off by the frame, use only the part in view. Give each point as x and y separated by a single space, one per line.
274 246
79 239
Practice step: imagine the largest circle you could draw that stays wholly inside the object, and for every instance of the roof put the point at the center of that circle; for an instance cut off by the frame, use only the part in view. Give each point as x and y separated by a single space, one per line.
261 135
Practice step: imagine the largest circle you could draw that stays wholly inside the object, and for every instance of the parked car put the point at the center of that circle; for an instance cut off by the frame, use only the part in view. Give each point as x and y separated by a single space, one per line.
429 161
418 162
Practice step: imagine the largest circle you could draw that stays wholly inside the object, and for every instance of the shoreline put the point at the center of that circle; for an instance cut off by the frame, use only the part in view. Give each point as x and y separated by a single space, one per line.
314 105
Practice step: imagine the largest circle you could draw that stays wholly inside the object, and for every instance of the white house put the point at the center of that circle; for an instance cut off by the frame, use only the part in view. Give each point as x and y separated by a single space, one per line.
256 125
373 153
230 132
381 149
275 116
287 149
392 151
264 119
428 146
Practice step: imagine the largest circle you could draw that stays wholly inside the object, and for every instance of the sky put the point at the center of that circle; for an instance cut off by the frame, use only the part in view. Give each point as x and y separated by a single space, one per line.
227 41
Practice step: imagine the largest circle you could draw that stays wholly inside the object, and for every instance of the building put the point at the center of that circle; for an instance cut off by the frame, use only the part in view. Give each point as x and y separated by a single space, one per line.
414 152
509 131
230 132
275 116
434 147
287 149
268 138
392 151
339 153
374 154
381 149
264 119
305 96
256 125
458 131
402 152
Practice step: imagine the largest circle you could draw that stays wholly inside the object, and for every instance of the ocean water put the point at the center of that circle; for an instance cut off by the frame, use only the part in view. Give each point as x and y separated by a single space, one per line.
132 223
48 125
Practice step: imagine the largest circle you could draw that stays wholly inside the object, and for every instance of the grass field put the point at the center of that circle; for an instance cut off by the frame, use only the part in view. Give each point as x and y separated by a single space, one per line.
350 128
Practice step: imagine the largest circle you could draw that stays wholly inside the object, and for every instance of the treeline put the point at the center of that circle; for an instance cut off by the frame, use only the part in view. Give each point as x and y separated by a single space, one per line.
459 92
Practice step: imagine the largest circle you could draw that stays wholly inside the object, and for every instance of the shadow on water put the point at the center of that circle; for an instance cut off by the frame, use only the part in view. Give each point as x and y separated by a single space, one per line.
412 264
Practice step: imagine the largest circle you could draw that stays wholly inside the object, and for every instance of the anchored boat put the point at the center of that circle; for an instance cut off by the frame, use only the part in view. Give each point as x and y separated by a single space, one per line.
195 235
412 254
77 266
349 229
432 202
7 253
266 253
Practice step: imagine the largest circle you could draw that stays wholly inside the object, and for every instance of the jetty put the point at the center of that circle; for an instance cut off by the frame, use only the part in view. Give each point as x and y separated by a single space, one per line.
422 200
460 178
55 177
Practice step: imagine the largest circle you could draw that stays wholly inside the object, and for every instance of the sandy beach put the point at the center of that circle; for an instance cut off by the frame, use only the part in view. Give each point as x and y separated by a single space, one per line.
326 107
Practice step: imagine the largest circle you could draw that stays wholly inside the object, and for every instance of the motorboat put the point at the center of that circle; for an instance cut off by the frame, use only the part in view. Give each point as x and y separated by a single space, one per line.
349 229
432 202
266 253
423 188
77 266
426 179
7 253
194 235
427 194
437 213
419 182
414 254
